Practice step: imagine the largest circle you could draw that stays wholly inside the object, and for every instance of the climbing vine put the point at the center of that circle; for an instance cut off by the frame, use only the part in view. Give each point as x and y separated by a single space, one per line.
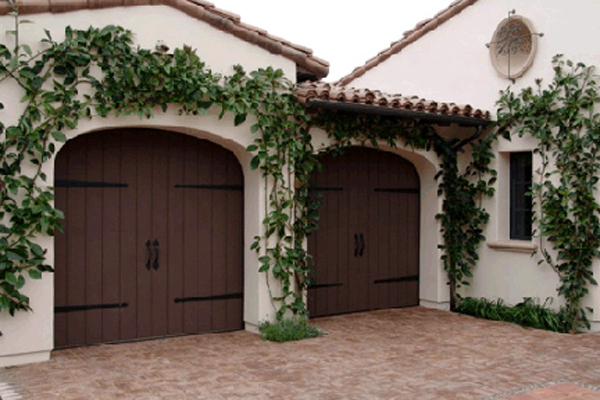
562 117
97 72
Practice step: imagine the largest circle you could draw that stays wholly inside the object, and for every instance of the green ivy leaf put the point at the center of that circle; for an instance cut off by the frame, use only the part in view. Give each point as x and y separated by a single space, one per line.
239 119
59 136
34 273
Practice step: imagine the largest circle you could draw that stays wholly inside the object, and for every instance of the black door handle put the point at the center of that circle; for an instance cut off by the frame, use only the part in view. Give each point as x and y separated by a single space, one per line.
356 244
148 244
362 245
156 255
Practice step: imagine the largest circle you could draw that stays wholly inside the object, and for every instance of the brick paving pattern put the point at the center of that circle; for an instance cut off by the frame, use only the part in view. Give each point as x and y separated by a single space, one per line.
412 353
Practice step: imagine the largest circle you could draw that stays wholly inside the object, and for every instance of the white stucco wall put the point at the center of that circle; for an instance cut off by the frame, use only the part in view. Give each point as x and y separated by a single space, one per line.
28 337
452 64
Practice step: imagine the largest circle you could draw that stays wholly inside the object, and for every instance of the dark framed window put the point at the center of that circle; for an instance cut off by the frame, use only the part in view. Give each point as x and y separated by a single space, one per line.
520 198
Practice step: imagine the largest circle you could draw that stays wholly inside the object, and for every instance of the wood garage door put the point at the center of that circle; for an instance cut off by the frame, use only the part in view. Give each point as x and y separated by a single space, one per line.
366 250
153 237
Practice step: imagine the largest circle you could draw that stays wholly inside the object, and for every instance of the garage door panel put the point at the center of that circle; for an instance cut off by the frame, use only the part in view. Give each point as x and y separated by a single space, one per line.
156 217
372 221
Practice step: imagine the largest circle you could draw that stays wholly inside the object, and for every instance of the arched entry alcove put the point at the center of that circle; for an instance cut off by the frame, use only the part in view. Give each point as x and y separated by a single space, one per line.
153 237
366 250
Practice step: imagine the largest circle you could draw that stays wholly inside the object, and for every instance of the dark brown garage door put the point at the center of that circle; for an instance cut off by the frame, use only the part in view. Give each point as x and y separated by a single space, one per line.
366 250
153 237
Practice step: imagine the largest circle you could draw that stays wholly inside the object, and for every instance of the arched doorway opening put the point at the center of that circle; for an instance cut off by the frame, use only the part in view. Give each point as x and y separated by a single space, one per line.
153 237
366 250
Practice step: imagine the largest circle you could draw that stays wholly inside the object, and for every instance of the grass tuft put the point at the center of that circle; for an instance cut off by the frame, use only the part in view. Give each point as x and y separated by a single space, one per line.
288 329
529 313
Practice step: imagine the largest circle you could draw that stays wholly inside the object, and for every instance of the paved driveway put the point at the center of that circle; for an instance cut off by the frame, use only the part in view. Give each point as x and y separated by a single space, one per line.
412 353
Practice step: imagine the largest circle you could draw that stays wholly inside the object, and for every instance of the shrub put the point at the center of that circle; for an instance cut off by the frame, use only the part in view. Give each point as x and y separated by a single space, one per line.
529 313
288 329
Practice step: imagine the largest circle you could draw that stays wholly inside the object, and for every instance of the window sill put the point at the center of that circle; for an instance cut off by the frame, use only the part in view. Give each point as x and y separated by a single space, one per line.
520 246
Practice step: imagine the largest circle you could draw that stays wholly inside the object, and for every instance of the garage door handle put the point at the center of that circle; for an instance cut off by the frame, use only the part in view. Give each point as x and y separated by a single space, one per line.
356 244
156 255
362 245
148 246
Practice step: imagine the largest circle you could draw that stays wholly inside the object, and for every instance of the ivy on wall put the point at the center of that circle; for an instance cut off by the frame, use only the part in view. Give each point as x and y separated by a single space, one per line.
96 72
563 119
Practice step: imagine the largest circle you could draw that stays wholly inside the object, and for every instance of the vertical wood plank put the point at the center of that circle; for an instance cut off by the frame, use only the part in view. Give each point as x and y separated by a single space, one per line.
160 181
76 244
413 244
111 236
132 246
205 264
220 260
190 237
375 166
144 232
384 234
362 271
93 235
235 243
330 273
175 234
397 224
345 243
353 170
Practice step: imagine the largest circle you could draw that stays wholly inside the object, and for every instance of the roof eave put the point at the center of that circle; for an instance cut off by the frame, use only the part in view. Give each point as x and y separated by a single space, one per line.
437 119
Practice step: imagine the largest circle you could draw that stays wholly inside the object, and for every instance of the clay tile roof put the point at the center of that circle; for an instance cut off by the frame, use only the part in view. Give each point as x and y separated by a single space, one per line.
200 9
408 37
307 91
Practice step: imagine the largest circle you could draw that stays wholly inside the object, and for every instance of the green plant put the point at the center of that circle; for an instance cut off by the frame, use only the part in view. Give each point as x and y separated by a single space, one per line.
561 116
529 313
288 329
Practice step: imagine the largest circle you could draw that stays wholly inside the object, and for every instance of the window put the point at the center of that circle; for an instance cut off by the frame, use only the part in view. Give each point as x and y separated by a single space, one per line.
520 199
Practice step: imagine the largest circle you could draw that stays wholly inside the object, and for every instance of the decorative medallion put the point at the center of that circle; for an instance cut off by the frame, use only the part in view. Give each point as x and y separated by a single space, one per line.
513 46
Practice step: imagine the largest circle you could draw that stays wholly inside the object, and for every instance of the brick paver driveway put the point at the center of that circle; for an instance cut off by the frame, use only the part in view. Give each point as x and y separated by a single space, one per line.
412 353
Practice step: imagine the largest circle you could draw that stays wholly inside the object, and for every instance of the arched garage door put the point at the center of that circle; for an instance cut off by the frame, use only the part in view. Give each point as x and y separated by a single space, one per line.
153 237
366 250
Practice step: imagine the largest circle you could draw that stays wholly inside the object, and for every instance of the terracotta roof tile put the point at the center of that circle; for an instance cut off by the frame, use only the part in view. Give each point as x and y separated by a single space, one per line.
409 37
324 91
200 9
